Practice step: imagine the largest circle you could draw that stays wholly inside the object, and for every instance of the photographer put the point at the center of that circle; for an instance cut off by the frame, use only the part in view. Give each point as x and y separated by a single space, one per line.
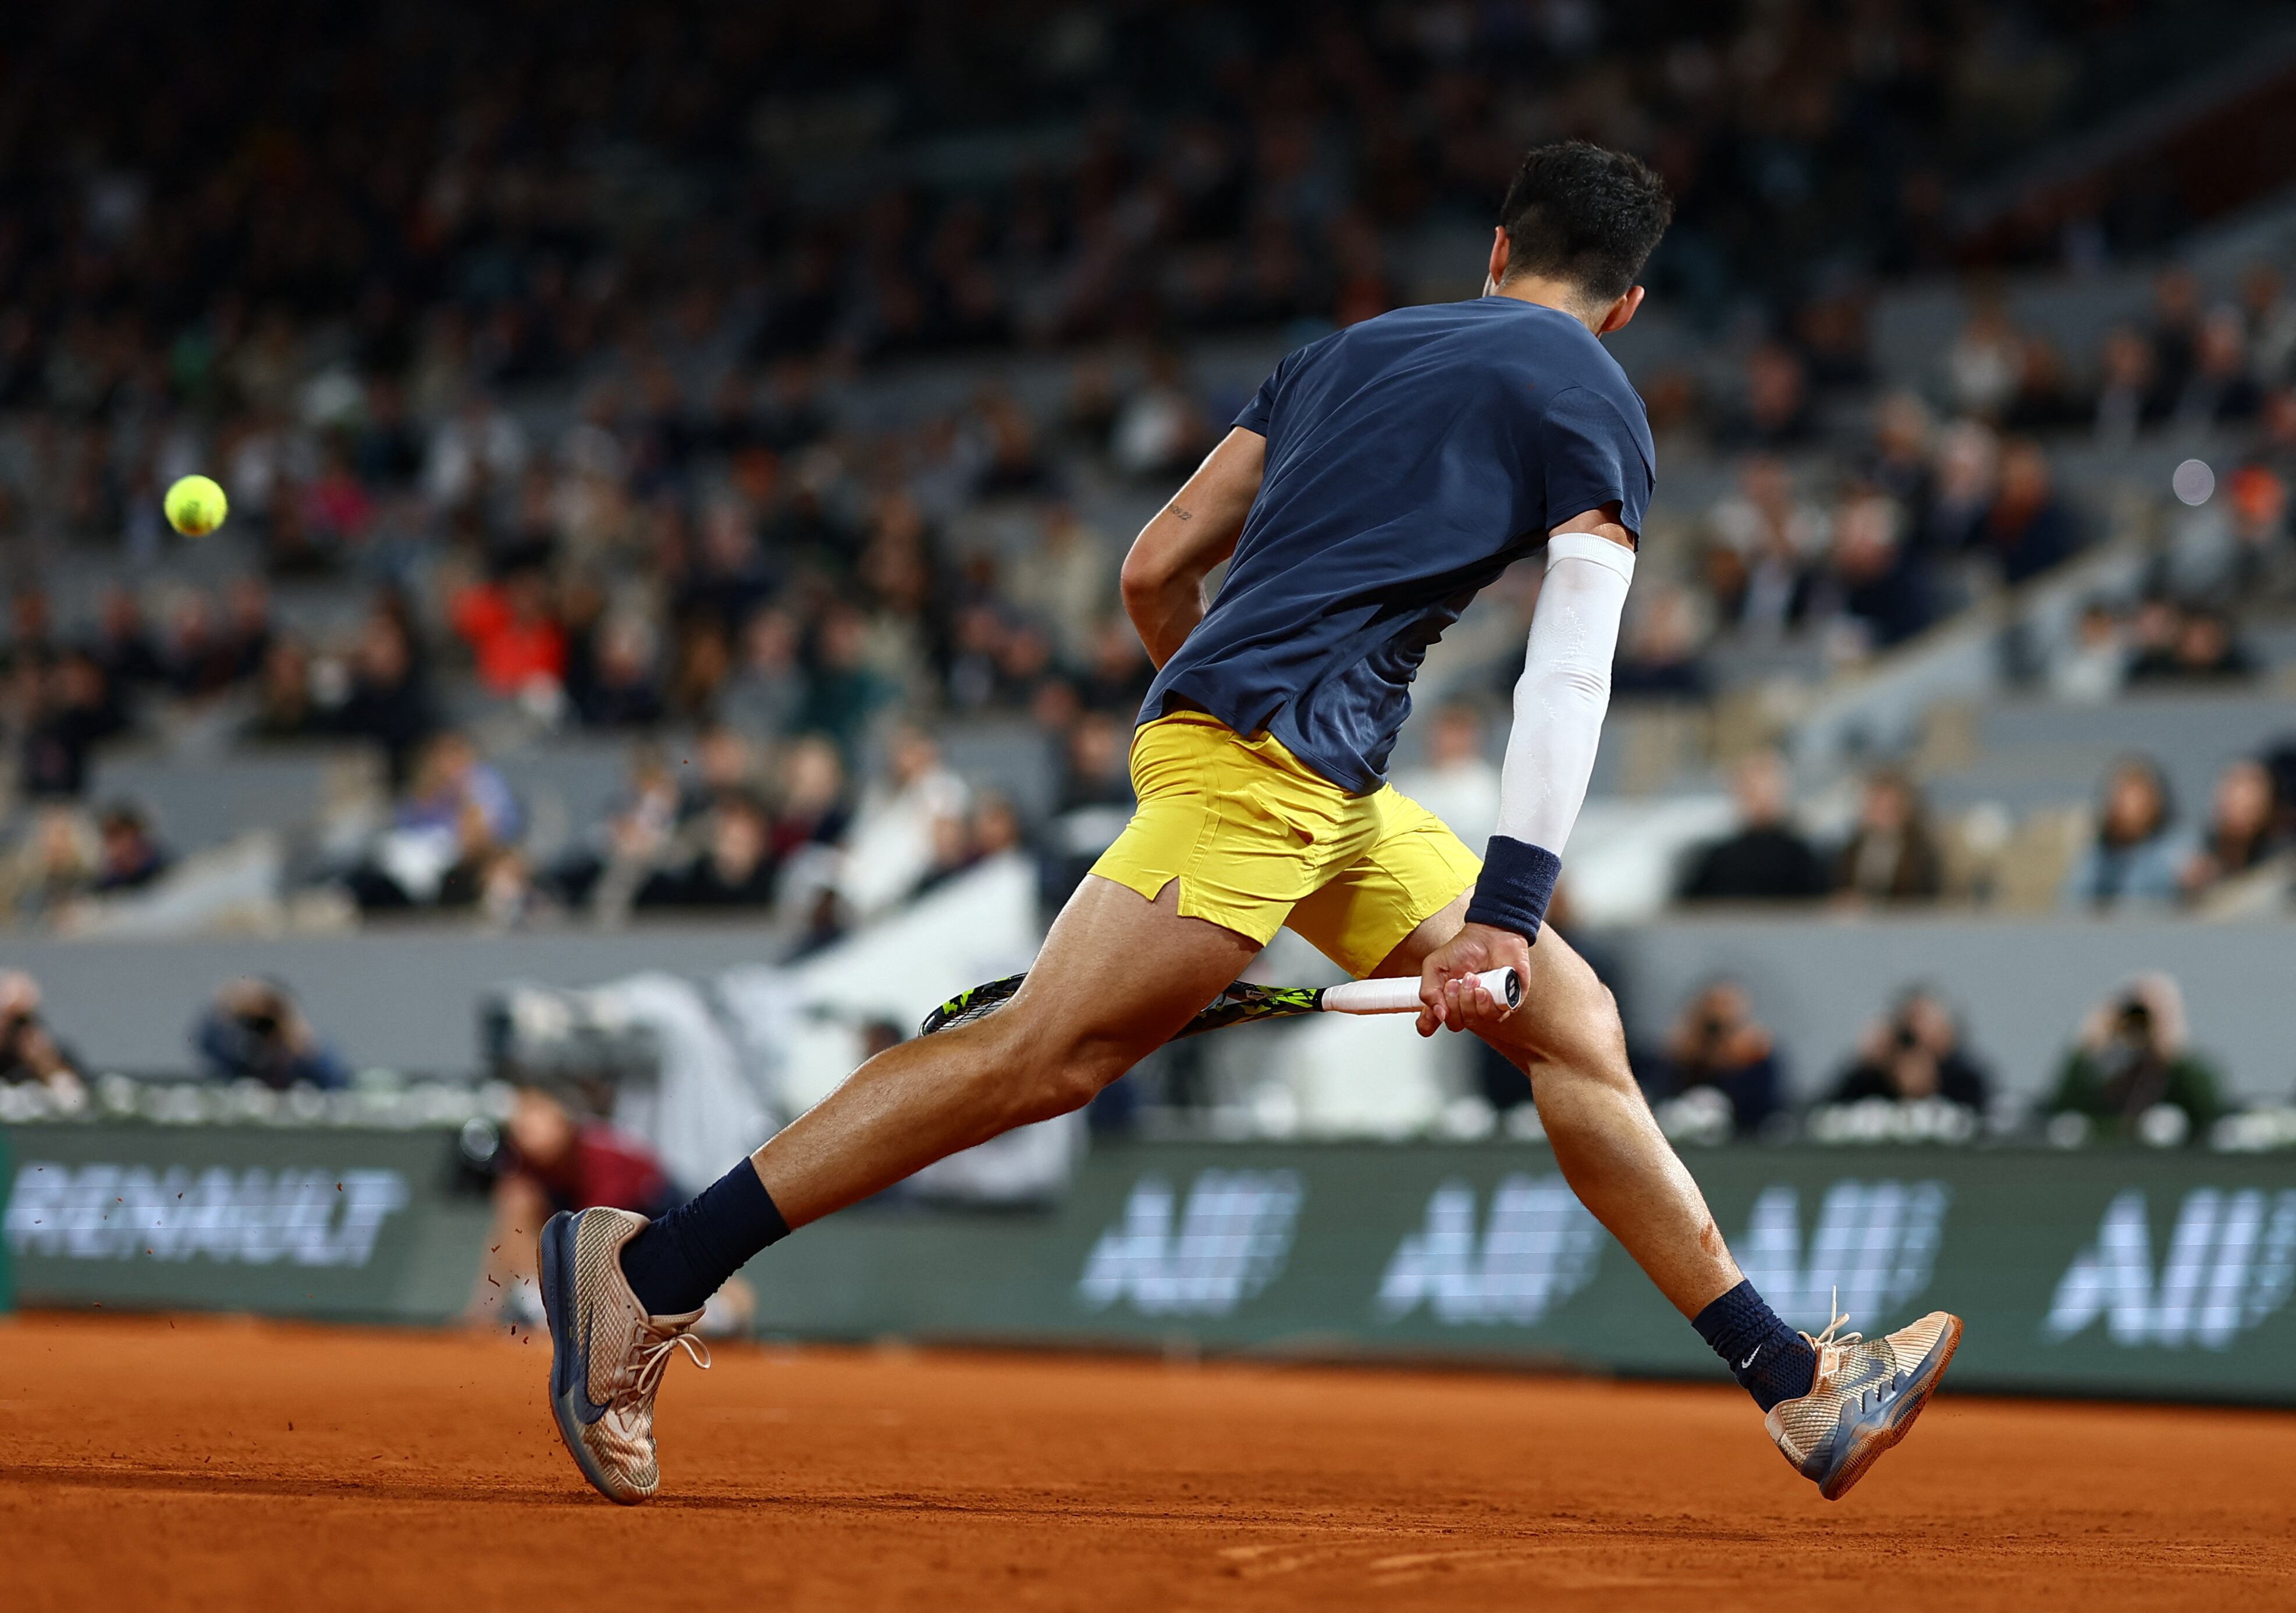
1717 1043
556 1154
255 1031
2132 1058
29 1048
1912 1053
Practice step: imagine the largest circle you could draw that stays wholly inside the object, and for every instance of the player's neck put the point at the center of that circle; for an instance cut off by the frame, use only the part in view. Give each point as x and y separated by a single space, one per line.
1561 296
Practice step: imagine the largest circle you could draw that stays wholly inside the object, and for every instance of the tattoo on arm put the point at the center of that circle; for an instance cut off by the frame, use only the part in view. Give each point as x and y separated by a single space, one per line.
1182 514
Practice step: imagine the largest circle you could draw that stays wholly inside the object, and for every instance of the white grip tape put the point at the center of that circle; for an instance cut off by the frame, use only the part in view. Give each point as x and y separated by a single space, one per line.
1400 996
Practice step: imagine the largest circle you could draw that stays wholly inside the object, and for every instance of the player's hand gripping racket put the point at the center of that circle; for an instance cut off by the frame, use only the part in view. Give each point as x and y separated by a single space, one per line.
1242 1003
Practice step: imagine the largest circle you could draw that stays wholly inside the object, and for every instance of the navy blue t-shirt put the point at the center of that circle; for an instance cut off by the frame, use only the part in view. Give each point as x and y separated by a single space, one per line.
1411 459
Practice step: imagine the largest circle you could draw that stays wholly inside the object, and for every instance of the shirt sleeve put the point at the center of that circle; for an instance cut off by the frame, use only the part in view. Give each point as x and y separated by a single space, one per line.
1262 407
1593 457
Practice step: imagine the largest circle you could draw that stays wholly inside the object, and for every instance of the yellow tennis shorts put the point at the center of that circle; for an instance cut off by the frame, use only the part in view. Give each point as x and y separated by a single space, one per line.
1258 840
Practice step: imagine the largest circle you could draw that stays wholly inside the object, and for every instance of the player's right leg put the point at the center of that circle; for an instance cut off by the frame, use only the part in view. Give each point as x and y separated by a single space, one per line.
1118 975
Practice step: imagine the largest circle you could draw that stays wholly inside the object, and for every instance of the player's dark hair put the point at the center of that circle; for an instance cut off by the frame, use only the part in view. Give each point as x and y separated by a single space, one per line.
1583 214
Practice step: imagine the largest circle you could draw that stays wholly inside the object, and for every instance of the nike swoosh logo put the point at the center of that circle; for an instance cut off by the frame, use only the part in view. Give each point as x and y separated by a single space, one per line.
1749 1360
587 1410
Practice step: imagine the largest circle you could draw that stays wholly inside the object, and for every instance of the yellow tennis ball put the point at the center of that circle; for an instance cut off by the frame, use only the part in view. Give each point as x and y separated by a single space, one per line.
194 505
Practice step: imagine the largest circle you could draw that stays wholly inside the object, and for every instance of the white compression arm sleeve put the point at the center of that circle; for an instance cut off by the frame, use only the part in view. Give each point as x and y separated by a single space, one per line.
1564 690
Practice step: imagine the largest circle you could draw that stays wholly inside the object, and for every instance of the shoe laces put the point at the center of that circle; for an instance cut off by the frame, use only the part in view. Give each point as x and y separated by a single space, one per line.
1830 1340
653 1361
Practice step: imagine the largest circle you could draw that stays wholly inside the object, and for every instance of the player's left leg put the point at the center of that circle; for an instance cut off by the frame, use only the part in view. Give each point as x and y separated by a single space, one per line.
1833 1406
1568 1038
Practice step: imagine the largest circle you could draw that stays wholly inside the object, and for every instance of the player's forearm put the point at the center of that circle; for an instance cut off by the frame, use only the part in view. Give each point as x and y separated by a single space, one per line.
1164 605
1560 702
1163 576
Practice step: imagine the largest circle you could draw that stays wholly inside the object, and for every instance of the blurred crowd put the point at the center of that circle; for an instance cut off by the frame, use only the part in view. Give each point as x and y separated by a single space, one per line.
187 202
2135 853
2129 1071
536 354
1860 514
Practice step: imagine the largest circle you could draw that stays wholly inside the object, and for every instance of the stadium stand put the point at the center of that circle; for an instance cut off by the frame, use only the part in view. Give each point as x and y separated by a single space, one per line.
696 489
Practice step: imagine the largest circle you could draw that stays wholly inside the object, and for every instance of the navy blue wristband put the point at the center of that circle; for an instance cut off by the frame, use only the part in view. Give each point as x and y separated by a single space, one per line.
1518 882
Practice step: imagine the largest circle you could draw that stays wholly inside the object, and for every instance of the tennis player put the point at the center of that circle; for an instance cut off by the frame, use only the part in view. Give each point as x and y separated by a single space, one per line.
1381 477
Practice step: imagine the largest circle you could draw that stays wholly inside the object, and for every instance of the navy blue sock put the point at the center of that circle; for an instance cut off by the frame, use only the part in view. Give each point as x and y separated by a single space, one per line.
1770 1360
677 1263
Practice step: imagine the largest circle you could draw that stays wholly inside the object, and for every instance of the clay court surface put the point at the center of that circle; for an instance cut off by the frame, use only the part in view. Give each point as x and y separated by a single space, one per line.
206 1463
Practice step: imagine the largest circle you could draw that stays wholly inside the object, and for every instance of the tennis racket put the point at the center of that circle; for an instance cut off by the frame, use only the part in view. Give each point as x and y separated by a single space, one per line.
1243 1003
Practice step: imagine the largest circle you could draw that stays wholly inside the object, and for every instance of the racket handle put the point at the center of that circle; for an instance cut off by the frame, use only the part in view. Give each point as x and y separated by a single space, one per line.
1400 996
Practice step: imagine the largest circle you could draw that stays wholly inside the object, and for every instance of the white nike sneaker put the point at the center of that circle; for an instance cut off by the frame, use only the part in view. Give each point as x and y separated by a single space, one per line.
607 1355
1864 1400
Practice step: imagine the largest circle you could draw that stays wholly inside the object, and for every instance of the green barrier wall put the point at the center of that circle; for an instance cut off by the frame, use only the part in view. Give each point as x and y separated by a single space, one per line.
2104 1271
341 1224
2096 1272
7 1265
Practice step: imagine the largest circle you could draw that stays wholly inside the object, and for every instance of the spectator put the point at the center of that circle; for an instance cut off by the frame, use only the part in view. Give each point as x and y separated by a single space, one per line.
2259 531
2179 643
1775 412
553 1157
812 810
1096 770
2046 398
893 837
723 762
1068 583
767 689
52 865
2271 317
452 777
130 856
456 815
1159 431
1118 678
2176 328
1968 476
255 1031
2220 390
2128 394
735 869
1767 859
1880 584
1661 653
69 714
2028 528
1983 364
617 855
516 641
842 691
2131 1058
1716 1042
29 1050
388 702
2093 670
1898 467
284 706
1458 783
123 643
2135 858
1913 1053
2242 832
1774 537
1891 855
624 691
